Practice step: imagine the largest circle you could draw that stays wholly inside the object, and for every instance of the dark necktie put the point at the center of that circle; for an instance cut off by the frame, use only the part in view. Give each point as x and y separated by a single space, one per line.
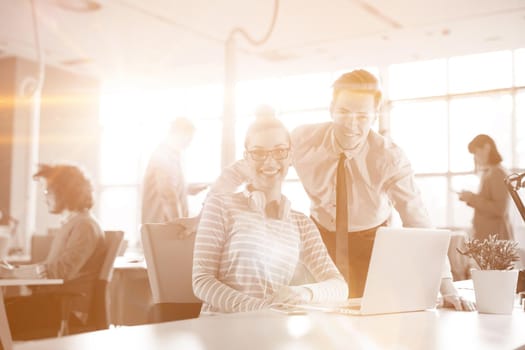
341 220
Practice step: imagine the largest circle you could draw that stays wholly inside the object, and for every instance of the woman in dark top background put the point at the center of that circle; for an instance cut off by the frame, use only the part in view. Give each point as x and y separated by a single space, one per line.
491 203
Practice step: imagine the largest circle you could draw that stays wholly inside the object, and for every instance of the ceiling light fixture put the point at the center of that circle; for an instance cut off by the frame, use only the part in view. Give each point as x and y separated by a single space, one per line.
79 5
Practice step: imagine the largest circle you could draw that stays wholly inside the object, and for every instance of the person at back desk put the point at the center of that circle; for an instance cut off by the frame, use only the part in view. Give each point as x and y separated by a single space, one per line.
378 176
76 255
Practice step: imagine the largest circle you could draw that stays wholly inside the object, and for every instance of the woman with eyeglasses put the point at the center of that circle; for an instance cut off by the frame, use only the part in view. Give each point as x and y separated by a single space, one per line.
76 256
250 245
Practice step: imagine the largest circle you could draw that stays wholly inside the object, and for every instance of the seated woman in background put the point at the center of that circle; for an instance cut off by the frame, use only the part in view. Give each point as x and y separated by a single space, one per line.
76 254
249 245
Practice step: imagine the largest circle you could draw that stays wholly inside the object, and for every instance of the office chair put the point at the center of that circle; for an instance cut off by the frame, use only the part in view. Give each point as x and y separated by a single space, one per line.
61 300
98 314
170 260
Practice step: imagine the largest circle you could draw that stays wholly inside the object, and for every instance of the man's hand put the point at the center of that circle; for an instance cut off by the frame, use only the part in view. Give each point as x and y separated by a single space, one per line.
194 189
458 303
186 226
451 298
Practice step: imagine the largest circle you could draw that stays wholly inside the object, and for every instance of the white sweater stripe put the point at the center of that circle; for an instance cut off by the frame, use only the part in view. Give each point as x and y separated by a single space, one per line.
241 257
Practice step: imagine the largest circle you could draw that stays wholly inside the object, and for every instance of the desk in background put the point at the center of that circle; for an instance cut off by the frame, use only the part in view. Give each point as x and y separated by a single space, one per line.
5 333
130 293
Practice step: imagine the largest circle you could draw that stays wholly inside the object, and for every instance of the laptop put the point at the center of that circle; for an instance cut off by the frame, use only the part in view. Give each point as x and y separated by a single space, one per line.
404 273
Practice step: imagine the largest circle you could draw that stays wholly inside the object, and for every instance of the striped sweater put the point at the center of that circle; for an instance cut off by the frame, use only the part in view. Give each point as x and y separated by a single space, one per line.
241 257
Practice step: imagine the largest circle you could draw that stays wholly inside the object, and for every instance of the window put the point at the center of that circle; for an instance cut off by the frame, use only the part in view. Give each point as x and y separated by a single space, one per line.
434 192
470 116
119 210
436 107
422 132
417 79
133 122
461 214
480 72
435 131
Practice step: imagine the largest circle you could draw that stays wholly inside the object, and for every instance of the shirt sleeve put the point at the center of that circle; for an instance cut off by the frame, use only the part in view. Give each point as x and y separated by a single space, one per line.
402 190
331 286
81 243
231 178
406 198
209 244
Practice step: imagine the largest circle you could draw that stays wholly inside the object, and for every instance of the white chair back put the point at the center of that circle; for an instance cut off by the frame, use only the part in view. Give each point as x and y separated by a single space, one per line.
170 261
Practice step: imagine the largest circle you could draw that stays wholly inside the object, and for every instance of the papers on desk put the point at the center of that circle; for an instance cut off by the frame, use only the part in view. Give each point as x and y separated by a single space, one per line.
351 306
22 272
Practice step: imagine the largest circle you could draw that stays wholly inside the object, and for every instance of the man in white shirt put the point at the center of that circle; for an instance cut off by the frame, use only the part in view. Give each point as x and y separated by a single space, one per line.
165 191
378 177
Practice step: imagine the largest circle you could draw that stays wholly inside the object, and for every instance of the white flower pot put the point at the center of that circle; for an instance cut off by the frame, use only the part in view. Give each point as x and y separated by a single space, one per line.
495 290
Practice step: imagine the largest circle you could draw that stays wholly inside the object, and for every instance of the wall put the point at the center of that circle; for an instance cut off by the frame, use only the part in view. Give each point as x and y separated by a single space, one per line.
68 131
7 73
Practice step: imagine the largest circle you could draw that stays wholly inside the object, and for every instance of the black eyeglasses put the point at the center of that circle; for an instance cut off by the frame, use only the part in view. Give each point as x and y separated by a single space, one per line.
277 154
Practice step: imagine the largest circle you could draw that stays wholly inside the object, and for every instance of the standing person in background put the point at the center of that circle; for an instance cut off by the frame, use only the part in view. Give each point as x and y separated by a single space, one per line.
165 191
377 174
491 203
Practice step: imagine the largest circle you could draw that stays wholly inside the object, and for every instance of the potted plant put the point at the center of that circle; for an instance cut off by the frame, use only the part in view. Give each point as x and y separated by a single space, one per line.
495 281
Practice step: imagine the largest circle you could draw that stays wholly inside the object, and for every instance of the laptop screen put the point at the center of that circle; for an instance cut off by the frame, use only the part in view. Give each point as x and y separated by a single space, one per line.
405 269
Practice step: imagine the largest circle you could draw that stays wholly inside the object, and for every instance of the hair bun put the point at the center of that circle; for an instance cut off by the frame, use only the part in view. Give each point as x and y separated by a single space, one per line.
264 112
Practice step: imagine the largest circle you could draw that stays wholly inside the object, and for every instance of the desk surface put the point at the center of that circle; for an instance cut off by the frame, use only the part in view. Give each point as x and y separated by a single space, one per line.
28 282
5 334
438 329
129 263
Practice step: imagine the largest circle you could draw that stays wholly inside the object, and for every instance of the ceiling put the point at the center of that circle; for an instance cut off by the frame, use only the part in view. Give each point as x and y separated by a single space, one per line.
181 42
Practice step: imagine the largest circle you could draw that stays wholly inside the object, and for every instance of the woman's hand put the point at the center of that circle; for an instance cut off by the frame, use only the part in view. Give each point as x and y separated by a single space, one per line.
465 196
292 295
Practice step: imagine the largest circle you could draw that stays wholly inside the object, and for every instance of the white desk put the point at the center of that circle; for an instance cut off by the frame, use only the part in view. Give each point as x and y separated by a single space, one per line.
5 333
440 329
130 293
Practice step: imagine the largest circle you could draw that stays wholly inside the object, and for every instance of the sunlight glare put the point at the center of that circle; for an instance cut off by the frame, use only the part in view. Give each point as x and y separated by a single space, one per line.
298 325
